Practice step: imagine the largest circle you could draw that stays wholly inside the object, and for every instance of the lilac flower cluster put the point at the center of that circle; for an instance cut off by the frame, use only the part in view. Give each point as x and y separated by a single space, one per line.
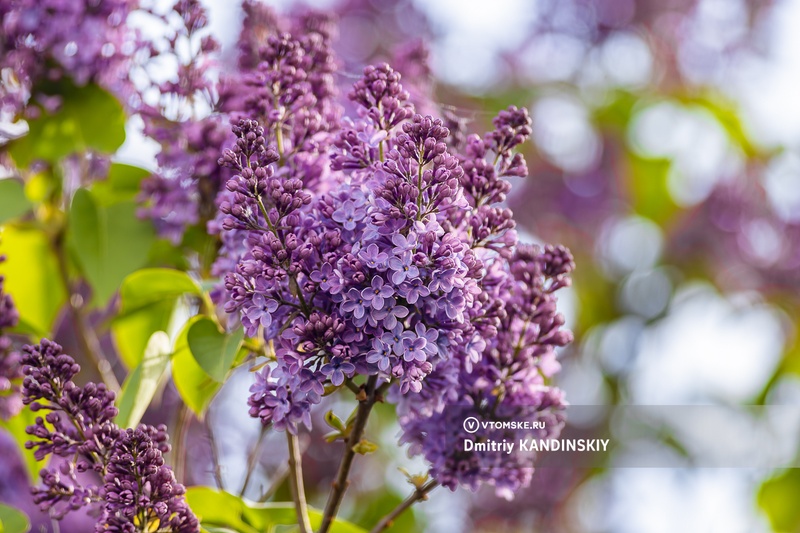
79 429
45 40
366 246
10 368
362 279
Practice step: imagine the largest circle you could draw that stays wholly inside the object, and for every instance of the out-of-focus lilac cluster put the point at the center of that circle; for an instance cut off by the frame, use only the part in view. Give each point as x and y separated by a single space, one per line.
44 41
10 367
390 256
79 433
182 191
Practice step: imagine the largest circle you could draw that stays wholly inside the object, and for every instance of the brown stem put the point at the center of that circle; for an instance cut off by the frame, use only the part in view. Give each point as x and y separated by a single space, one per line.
419 494
296 484
340 484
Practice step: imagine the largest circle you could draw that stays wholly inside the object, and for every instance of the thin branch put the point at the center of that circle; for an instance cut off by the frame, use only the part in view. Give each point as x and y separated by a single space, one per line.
277 480
251 460
182 423
212 442
419 494
87 339
296 484
341 482
90 345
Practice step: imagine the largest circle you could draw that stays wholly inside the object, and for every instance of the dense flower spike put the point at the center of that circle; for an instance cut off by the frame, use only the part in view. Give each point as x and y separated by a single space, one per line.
10 367
79 429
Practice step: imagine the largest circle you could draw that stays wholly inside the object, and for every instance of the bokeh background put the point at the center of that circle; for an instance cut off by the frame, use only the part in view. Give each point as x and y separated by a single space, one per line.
666 155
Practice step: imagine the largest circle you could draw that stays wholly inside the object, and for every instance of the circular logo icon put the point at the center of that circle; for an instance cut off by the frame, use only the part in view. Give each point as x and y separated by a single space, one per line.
471 424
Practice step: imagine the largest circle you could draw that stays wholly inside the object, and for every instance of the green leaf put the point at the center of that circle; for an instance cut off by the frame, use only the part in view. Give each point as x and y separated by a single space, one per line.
89 118
334 421
195 386
122 184
147 297
132 330
152 285
32 276
142 384
12 520
213 350
216 508
13 202
109 242
15 426
778 498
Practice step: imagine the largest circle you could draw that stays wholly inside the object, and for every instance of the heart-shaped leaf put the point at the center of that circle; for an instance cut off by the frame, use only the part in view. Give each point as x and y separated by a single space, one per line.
213 350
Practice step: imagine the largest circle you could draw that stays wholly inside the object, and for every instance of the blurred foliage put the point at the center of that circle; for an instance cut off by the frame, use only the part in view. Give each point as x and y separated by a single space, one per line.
88 118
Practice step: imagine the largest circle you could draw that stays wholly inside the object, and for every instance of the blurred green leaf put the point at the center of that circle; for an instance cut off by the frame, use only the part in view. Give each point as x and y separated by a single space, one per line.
152 285
213 350
647 188
89 118
726 112
15 426
32 276
142 384
193 383
216 508
122 184
778 498
378 504
109 242
617 111
132 330
12 520
13 202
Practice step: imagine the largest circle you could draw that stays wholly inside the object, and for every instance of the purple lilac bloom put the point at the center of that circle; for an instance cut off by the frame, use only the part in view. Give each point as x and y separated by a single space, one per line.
377 293
403 268
373 257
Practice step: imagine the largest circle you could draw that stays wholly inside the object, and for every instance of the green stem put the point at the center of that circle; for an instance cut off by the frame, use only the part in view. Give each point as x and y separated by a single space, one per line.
296 484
